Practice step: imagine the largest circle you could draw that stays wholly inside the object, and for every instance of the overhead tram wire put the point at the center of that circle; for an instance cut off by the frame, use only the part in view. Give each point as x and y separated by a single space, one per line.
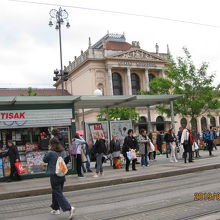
117 12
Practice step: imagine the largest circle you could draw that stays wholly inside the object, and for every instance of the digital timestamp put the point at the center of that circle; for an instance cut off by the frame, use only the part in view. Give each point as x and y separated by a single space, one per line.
199 196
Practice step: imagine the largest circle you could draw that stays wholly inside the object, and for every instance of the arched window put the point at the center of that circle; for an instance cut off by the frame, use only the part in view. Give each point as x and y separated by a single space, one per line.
135 83
212 122
151 76
160 126
203 123
142 123
183 122
194 126
117 84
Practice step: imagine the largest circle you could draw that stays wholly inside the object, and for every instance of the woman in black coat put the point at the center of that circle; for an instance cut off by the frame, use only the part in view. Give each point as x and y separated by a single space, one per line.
129 143
13 155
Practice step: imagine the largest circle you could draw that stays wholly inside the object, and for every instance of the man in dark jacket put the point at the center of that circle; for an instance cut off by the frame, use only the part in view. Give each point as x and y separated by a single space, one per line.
159 141
129 143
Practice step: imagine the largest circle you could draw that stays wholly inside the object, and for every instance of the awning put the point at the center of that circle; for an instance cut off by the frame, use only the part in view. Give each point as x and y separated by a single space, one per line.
83 102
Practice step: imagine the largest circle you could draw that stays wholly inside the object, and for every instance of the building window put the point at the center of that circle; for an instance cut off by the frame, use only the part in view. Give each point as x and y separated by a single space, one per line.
151 76
142 123
183 122
203 123
160 123
117 84
212 122
135 83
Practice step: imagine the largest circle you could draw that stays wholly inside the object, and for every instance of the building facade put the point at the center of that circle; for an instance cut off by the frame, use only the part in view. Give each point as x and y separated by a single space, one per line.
117 67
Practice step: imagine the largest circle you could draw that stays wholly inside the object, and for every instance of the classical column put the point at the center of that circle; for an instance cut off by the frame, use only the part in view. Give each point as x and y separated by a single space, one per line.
129 81
110 80
147 79
150 129
162 73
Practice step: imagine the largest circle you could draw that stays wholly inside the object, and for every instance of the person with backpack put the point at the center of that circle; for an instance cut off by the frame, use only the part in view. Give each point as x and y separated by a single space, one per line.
99 150
56 150
209 137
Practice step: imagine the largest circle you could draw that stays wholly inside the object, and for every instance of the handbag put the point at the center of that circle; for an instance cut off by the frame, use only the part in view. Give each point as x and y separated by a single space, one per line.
19 167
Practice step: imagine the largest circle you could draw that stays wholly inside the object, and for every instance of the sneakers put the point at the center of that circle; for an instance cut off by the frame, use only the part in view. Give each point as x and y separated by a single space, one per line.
89 171
55 212
72 211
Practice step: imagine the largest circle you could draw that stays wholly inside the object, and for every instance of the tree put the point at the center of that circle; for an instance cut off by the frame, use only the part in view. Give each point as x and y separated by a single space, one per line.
182 77
112 114
30 92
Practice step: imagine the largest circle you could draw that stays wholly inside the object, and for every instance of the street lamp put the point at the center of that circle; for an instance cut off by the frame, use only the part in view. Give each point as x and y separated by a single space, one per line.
59 16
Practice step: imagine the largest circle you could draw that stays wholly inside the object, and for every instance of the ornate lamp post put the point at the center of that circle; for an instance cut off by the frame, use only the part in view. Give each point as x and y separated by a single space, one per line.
59 16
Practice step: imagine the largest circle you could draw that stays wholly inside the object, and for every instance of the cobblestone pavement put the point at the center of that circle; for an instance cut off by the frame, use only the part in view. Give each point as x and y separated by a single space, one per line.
170 198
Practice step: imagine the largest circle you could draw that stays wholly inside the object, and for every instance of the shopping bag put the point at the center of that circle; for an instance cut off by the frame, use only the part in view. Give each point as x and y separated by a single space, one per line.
129 155
133 154
151 148
61 168
117 163
196 146
19 167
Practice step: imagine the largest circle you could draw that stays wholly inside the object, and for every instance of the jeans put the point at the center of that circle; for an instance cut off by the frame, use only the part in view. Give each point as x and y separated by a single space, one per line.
87 164
58 199
99 163
144 160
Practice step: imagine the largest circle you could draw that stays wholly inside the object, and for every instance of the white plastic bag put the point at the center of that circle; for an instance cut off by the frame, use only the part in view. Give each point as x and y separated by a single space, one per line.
152 148
61 168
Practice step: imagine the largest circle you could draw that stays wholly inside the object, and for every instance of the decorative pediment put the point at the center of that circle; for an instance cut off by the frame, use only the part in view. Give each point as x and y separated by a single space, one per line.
138 54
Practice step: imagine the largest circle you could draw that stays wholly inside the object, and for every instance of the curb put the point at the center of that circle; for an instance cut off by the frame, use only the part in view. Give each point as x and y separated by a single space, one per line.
110 182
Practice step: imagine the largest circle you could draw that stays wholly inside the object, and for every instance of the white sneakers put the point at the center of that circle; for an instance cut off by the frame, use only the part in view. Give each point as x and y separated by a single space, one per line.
72 211
55 212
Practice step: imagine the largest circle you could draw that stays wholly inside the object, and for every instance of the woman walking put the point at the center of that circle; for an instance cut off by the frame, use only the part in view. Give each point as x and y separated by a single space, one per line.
13 155
57 182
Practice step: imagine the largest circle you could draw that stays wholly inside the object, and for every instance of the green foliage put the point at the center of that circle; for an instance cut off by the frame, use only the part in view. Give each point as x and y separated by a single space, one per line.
30 92
118 114
182 77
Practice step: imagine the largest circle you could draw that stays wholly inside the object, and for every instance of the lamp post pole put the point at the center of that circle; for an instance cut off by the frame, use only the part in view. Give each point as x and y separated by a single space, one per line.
59 16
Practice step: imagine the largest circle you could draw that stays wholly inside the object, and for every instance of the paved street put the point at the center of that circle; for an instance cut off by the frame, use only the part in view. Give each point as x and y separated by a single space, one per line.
166 198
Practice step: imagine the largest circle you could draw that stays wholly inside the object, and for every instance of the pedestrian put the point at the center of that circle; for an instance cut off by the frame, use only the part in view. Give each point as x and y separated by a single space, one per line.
179 135
77 145
115 149
57 182
159 141
143 142
57 134
129 143
86 151
13 155
151 154
99 151
208 136
167 144
171 139
187 141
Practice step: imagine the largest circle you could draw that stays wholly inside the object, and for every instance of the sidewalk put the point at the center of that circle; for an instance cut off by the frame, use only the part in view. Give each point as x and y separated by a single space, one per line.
158 169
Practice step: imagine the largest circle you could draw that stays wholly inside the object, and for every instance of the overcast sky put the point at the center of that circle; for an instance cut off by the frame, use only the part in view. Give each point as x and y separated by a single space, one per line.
29 48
